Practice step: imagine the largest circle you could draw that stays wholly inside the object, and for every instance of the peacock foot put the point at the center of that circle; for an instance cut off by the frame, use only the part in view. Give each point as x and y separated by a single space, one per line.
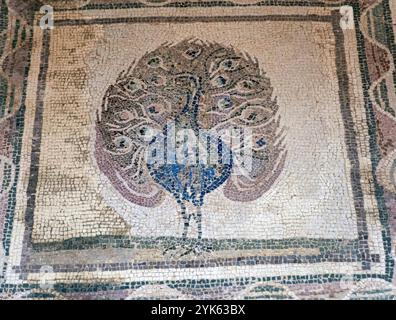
187 248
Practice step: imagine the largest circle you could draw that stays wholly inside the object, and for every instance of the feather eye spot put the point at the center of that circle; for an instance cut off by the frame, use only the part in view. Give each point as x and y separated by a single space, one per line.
122 142
124 116
229 64
134 85
261 142
220 81
154 62
192 53
225 103
157 80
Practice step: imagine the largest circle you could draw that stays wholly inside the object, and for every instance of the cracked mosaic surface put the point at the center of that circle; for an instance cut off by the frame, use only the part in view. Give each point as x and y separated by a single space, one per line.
84 214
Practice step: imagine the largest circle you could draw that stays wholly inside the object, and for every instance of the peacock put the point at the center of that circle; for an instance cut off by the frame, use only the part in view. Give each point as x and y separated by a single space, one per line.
189 86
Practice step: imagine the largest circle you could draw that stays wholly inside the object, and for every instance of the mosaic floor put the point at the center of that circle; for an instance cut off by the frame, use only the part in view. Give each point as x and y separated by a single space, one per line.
197 150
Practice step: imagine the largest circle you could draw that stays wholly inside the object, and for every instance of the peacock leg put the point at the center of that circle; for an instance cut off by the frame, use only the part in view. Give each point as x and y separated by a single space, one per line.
198 219
186 219
186 223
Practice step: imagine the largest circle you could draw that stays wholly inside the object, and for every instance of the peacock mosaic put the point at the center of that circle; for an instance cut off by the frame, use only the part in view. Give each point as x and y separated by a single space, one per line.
157 130
197 150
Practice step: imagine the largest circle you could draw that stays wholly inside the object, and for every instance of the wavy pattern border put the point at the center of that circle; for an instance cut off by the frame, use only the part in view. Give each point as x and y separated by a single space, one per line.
384 170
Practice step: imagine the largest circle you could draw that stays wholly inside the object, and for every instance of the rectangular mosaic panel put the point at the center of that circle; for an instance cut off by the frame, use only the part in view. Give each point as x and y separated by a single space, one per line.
89 212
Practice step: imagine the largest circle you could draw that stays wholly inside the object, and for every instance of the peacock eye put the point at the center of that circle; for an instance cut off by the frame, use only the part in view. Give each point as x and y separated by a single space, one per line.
122 142
152 109
261 142
134 85
220 81
156 108
192 53
157 80
224 102
229 64
248 86
144 132
124 116
154 62
255 115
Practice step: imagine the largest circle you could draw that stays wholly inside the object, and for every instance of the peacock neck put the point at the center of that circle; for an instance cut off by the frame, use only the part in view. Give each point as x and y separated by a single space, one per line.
188 118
